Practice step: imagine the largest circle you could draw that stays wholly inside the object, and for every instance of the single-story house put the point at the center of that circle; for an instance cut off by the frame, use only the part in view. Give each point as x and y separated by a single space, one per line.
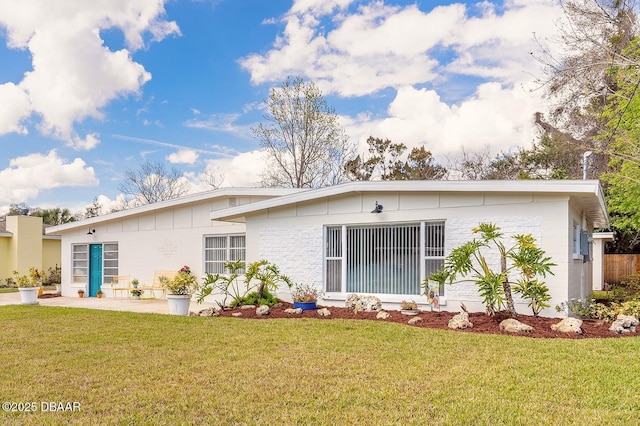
23 244
162 236
378 238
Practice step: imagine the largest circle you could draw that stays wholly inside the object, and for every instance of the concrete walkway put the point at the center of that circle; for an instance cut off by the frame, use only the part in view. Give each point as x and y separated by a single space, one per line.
157 306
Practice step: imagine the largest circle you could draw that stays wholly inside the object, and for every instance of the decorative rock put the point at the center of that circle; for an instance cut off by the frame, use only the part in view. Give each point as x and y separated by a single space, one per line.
262 310
324 312
247 306
383 315
414 320
209 312
624 324
511 325
363 303
296 311
236 314
568 325
460 321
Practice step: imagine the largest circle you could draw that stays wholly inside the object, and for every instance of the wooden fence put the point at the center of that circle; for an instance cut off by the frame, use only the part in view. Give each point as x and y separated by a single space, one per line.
617 266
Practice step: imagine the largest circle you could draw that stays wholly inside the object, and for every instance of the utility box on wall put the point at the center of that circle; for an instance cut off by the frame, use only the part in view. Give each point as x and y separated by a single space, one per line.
585 246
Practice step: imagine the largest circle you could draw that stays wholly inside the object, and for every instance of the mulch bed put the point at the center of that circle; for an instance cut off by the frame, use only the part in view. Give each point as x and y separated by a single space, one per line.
482 323
49 295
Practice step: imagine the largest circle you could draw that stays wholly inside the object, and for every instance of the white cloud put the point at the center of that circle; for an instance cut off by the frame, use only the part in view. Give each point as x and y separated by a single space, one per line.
14 108
243 170
358 49
378 46
183 156
28 175
495 116
221 122
74 74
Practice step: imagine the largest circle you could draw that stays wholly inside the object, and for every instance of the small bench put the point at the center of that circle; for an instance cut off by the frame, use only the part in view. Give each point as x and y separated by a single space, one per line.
121 283
156 285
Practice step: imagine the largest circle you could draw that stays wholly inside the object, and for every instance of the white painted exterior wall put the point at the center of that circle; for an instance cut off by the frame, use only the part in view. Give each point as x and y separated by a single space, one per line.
292 236
163 237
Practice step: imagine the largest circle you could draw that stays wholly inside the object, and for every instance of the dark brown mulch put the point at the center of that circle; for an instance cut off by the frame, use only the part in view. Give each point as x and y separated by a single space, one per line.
48 295
482 323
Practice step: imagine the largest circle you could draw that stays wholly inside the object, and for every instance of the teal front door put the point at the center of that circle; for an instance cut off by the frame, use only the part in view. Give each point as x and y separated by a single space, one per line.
95 269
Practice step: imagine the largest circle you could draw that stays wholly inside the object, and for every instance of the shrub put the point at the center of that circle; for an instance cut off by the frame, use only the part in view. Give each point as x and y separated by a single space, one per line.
306 293
182 284
524 259
628 289
53 276
253 299
588 308
260 280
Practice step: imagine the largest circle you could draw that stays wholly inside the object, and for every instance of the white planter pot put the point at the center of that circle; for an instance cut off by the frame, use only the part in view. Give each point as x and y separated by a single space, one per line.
58 288
179 304
29 295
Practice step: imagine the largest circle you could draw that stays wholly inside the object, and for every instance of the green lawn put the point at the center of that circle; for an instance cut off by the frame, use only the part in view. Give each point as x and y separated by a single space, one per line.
127 368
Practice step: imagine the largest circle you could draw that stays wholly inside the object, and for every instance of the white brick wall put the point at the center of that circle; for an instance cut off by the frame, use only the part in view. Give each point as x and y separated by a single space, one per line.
459 231
296 250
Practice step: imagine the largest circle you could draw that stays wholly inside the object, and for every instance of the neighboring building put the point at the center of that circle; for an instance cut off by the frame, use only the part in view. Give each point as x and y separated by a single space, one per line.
599 240
24 245
339 240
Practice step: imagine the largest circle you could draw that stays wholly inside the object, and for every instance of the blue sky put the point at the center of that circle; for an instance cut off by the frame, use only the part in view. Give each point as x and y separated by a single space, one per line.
91 89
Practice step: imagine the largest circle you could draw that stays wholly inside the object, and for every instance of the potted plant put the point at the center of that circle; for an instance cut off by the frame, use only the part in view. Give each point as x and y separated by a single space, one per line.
80 293
135 282
100 294
136 292
28 286
179 290
305 296
409 307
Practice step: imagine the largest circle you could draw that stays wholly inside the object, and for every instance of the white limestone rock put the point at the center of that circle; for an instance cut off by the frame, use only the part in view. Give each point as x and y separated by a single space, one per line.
360 303
296 311
624 324
414 320
383 315
511 325
460 321
262 310
568 325
209 312
324 312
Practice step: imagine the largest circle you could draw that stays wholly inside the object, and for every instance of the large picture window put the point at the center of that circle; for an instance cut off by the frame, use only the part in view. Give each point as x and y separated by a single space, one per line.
220 249
385 259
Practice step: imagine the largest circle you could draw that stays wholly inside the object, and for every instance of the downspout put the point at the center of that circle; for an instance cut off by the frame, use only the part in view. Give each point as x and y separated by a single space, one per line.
583 227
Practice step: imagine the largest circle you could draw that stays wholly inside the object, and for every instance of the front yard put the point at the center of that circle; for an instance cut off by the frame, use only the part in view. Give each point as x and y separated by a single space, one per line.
127 368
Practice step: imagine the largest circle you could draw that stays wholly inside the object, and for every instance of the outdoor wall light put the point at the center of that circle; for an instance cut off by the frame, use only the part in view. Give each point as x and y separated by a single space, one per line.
91 231
377 209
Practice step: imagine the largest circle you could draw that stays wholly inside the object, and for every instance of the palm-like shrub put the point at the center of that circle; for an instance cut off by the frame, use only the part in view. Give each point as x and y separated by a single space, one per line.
524 259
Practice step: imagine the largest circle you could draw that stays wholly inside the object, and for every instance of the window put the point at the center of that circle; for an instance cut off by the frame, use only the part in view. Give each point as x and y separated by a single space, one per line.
109 262
433 249
386 259
80 263
218 250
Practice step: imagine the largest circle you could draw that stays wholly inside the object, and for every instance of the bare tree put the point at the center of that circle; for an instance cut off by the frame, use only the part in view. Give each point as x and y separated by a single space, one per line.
594 36
305 144
212 178
153 183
